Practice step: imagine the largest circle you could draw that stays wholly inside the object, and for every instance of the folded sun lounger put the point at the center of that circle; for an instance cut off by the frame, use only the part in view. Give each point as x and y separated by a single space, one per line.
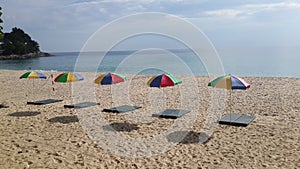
236 119
171 113
41 102
121 109
81 105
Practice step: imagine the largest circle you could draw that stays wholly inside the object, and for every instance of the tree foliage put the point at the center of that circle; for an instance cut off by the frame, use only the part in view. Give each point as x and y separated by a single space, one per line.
1 33
19 43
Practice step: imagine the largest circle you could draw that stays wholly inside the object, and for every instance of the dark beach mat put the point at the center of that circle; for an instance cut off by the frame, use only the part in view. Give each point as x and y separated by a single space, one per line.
121 109
171 113
236 119
41 102
81 105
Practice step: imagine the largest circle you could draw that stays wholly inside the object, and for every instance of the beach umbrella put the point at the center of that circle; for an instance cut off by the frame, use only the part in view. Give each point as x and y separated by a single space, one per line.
33 75
109 79
68 77
163 80
229 82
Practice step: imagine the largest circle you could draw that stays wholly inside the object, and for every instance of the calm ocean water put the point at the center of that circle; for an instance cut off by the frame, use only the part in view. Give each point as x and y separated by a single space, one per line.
262 62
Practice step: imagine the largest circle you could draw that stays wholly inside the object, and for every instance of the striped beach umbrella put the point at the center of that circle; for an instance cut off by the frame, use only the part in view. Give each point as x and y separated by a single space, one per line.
163 80
68 77
229 82
109 79
33 75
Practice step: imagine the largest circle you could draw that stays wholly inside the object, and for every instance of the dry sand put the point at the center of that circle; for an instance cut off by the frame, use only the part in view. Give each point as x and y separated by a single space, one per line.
50 136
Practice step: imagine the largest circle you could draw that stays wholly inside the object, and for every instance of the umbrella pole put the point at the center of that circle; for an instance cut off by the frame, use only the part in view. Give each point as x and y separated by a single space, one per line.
173 101
32 88
110 93
70 87
230 106
53 89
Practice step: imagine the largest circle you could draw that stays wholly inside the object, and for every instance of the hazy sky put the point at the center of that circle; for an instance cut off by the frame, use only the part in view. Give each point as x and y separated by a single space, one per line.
65 25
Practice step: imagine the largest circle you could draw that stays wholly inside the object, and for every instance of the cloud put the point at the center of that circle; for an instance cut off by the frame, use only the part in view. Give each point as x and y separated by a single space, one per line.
225 13
138 1
244 11
56 23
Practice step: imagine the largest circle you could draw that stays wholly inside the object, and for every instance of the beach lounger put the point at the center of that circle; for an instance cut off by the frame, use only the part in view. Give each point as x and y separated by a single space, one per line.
121 109
81 105
42 102
171 113
236 119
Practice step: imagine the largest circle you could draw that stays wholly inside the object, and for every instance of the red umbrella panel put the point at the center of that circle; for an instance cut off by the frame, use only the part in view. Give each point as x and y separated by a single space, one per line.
109 79
163 80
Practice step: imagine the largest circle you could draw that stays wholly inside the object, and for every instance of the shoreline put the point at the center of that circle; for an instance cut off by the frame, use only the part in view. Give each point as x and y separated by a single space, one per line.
25 56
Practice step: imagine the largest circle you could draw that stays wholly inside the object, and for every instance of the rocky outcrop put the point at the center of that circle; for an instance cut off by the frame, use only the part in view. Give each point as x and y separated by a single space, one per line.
25 56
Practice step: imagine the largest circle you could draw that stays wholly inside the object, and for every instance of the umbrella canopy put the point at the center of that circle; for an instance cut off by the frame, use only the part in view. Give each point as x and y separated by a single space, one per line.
229 82
163 80
68 77
33 75
110 78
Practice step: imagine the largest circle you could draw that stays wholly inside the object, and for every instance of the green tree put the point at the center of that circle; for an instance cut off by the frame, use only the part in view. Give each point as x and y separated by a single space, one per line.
1 33
19 43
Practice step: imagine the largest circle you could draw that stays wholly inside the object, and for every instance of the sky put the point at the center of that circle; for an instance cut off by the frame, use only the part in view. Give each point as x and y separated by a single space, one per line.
66 25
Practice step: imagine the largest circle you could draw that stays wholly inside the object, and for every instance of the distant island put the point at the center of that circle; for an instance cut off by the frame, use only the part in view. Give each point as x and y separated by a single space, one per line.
19 45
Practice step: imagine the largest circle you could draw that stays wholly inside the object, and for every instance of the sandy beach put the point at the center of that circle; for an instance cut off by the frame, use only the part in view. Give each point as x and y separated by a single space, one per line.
51 136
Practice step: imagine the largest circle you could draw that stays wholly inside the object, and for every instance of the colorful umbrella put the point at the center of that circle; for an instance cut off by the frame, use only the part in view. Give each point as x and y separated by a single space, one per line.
68 77
229 82
110 78
163 80
33 75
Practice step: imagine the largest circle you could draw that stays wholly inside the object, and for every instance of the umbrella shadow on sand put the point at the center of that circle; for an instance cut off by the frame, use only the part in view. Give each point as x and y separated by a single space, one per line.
188 137
24 113
64 119
121 127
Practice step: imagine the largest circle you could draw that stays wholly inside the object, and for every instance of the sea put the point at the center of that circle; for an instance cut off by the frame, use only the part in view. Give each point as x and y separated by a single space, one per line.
245 62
